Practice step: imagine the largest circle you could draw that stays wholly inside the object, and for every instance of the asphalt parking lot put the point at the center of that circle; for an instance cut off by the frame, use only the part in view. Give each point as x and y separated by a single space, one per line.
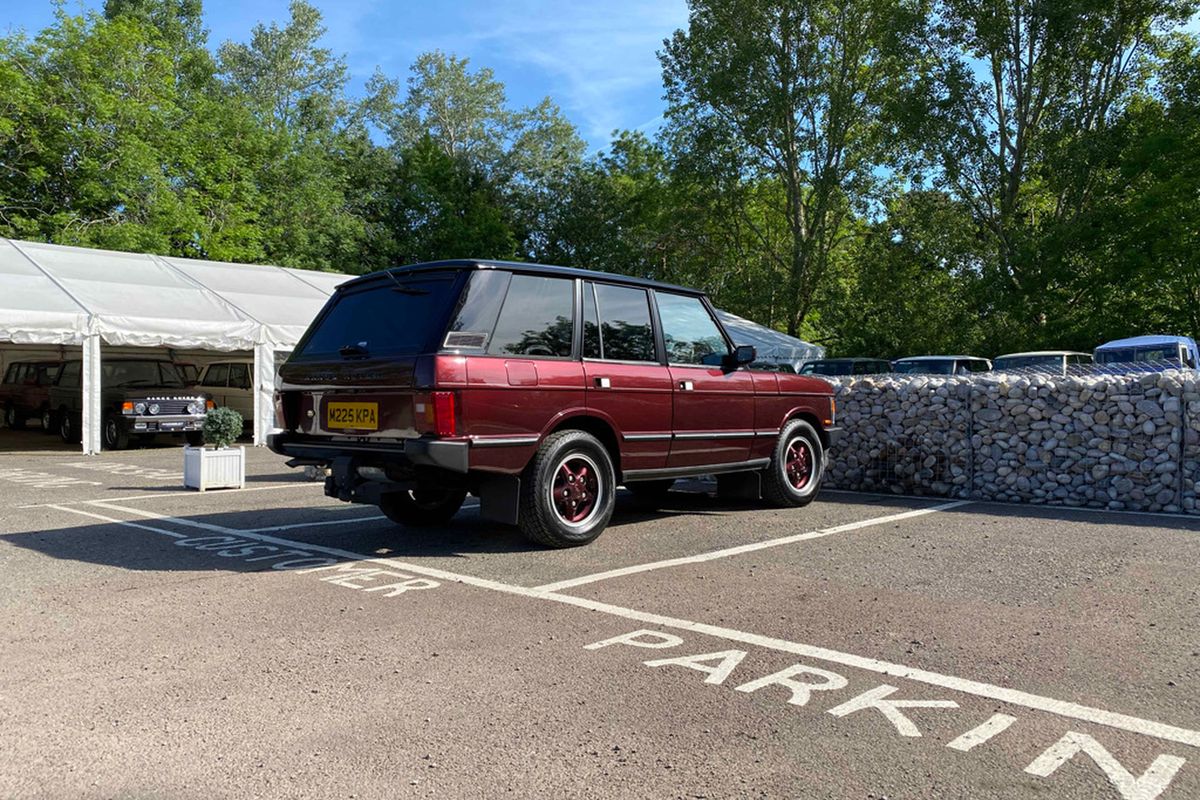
272 642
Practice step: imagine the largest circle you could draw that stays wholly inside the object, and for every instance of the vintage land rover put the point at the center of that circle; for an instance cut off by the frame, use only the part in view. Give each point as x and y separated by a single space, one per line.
139 398
540 390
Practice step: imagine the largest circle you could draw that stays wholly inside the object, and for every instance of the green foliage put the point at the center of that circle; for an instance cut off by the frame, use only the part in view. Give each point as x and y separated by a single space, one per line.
222 427
885 177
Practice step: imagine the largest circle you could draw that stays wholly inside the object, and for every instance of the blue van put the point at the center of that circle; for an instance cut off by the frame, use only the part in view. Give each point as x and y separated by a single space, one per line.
1166 351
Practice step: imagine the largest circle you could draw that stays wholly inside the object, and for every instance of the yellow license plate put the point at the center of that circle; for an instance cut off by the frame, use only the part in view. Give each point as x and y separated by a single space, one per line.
352 416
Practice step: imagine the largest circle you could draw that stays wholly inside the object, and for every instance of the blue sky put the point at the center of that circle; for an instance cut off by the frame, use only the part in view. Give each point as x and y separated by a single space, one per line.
596 60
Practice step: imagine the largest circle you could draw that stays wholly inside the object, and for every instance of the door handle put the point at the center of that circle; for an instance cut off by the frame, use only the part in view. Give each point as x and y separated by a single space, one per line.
686 386
603 383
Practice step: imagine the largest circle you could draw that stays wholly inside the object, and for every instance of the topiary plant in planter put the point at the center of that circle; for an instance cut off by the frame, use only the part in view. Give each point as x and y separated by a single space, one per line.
222 427
221 466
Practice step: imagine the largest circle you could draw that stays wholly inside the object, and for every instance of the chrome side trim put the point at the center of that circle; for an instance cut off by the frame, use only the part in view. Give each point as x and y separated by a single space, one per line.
716 435
774 432
503 441
645 437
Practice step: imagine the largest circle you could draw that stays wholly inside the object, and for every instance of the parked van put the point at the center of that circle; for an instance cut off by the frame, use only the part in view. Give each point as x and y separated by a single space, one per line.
940 365
1056 362
1165 351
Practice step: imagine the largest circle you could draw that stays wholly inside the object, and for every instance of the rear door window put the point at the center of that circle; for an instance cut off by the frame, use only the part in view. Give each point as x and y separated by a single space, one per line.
239 376
70 375
400 315
537 319
626 333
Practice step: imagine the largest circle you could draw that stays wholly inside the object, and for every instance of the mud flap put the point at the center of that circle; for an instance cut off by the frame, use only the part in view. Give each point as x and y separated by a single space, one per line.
740 486
500 499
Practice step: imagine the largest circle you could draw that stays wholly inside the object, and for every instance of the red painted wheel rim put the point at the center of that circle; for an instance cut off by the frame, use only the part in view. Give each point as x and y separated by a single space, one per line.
798 464
575 491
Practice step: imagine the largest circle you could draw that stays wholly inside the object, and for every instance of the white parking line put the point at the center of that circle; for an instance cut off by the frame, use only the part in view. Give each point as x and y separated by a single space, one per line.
747 548
190 493
1069 710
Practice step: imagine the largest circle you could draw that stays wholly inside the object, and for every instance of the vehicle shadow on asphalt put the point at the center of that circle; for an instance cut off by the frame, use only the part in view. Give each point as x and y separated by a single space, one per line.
169 545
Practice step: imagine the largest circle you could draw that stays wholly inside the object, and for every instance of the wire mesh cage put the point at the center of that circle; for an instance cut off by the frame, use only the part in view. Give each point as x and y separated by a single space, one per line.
1097 436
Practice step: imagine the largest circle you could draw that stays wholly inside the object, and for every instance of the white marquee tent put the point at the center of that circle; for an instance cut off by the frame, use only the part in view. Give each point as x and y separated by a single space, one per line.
773 347
56 295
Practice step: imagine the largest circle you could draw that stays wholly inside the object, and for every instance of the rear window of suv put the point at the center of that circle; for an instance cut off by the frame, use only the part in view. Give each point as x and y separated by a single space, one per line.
386 317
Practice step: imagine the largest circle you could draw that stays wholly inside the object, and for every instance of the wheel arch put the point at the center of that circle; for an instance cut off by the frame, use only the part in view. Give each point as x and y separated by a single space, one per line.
812 419
599 428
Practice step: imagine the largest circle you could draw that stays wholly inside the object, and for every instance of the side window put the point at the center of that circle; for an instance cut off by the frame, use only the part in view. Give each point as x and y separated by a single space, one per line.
977 366
10 373
239 376
691 335
70 375
538 318
591 323
217 375
625 330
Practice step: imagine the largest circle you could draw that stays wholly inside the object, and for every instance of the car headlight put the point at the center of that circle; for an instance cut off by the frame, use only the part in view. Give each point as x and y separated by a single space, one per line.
154 408
139 408
195 407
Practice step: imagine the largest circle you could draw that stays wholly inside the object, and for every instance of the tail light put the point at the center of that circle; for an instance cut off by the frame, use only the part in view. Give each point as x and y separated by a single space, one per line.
443 413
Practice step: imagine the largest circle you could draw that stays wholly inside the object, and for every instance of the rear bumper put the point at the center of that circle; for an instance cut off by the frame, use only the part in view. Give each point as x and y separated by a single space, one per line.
451 456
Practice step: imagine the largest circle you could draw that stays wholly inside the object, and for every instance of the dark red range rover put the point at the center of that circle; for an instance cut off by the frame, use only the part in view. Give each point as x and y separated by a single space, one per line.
540 390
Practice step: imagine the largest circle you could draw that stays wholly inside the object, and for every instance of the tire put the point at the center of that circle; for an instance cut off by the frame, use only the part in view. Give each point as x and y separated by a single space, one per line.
650 494
797 466
576 465
68 428
46 420
423 507
113 436
10 417
194 438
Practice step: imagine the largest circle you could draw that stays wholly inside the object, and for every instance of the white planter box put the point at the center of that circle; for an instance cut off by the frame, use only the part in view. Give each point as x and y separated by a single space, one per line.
205 468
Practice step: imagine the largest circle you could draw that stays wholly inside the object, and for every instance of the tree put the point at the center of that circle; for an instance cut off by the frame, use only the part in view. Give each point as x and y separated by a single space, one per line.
1020 93
793 93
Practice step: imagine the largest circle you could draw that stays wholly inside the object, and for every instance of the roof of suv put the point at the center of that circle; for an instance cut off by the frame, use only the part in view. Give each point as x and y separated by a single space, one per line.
521 266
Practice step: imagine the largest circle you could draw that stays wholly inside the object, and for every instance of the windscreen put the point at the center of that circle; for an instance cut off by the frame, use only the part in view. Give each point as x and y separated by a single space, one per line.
924 367
387 317
827 368
1029 362
1167 352
140 373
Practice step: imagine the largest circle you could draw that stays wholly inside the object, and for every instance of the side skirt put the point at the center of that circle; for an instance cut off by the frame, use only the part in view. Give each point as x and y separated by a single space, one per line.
690 472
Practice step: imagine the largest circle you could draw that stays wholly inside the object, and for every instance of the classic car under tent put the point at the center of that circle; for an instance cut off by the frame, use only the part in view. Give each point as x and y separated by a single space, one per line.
54 298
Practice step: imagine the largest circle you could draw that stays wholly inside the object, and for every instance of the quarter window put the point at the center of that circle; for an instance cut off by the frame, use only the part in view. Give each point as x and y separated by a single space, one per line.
689 332
625 330
537 319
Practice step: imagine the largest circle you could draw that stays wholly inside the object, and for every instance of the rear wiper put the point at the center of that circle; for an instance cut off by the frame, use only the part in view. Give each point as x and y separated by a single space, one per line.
402 289
349 350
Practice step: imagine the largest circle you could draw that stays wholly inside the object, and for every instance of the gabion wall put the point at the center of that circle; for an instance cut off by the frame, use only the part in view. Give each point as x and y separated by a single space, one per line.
1126 442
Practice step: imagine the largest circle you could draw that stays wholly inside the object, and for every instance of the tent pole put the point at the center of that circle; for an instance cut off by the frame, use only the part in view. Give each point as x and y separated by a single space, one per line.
90 428
264 392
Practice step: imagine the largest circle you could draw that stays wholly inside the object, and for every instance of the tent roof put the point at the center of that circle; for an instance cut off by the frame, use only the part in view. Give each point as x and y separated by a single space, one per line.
771 344
57 295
